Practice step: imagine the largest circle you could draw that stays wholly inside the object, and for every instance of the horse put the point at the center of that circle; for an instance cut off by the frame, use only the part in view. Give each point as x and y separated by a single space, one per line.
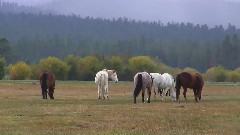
192 81
47 82
164 82
112 74
101 80
142 81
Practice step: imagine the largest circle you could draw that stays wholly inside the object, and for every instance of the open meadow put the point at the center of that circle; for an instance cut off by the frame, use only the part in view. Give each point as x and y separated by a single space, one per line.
76 110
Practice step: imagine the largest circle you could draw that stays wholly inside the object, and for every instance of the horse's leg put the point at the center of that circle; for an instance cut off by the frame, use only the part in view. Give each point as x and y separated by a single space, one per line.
50 92
173 93
178 94
43 94
165 91
160 91
134 100
184 94
154 90
149 94
168 92
155 93
102 92
195 95
143 92
107 91
99 91
199 94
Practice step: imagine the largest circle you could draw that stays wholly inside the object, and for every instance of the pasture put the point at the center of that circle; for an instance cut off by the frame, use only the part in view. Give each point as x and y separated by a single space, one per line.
76 110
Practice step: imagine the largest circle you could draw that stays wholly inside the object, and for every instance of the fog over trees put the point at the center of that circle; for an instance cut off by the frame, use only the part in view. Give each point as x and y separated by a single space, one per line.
32 35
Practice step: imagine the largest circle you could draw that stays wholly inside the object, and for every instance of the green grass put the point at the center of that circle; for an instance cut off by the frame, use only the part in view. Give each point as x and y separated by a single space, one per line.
76 110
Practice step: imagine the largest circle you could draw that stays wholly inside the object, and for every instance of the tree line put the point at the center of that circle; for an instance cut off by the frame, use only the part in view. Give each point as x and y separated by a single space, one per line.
177 55
31 37
85 69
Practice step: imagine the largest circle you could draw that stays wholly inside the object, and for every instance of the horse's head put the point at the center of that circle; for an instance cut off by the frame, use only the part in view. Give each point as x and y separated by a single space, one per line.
113 75
174 96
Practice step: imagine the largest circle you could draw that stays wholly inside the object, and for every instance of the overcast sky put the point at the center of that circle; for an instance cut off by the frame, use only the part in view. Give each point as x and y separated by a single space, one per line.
211 12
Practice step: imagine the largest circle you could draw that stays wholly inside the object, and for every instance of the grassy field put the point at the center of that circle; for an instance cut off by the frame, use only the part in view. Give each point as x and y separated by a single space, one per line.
76 110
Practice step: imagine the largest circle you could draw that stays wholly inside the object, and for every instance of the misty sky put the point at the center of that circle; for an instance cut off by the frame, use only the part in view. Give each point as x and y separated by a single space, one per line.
211 12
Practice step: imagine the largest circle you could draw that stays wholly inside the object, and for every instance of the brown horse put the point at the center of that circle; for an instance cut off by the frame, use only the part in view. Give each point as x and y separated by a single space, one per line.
192 81
47 81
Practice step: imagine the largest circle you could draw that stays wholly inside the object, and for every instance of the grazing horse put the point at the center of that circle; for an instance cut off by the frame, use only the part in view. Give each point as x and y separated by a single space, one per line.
192 81
112 75
142 81
101 80
47 82
163 82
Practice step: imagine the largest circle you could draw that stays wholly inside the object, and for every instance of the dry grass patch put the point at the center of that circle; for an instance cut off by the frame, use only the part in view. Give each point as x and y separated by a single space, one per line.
76 110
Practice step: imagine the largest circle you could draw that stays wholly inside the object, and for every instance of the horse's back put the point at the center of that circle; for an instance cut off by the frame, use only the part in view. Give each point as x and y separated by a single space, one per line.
99 74
188 80
185 79
168 79
50 79
146 79
156 79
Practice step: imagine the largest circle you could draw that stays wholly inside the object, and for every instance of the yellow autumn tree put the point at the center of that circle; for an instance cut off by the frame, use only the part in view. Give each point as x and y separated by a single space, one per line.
55 65
142 63
20 71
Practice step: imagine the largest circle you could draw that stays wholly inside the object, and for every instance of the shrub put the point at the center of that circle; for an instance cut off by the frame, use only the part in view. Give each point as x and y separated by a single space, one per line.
217 74
2 63
233 76
190 70
20 71
142 63
74 64
89 67
34 72
55 65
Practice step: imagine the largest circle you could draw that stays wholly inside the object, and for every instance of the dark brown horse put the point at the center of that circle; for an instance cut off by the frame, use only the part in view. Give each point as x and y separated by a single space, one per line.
47 82
192 81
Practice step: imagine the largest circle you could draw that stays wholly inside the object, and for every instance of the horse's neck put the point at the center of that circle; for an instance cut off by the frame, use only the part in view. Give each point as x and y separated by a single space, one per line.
109 73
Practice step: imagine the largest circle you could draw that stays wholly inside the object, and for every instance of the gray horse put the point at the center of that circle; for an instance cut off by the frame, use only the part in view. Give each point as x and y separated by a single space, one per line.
142 81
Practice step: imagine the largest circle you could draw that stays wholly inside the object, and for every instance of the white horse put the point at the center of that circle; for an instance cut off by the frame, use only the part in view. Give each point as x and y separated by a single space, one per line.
164 82
101 80
112 75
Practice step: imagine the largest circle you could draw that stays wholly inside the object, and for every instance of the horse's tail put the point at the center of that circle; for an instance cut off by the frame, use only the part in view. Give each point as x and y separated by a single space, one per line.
178 86
138 86
44 81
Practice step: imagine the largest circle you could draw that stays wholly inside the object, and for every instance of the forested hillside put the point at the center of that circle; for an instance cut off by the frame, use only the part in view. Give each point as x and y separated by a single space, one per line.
34 36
